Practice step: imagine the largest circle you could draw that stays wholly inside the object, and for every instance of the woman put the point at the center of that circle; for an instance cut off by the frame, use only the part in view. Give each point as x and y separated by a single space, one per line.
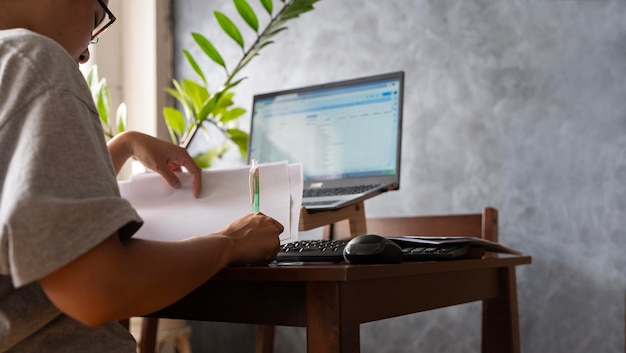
69 267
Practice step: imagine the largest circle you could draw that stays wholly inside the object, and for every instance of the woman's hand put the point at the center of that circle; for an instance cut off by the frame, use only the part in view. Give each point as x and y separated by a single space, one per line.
256 239
155 154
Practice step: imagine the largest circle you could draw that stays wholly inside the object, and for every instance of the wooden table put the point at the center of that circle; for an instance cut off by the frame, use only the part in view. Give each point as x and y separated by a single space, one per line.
331 301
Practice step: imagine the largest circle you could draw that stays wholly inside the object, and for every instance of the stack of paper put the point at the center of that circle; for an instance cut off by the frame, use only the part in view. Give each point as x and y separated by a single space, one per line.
174 214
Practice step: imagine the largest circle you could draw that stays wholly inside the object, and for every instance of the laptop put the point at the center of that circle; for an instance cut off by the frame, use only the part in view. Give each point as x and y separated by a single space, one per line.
346 134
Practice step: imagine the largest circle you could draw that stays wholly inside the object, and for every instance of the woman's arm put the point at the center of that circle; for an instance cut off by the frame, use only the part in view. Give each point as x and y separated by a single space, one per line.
120 279
123 279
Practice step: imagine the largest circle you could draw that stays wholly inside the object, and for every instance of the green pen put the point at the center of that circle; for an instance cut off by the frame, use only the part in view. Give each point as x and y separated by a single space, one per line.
254 185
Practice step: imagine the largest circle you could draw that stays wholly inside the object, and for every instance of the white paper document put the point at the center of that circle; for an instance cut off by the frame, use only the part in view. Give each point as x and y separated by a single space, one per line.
174 214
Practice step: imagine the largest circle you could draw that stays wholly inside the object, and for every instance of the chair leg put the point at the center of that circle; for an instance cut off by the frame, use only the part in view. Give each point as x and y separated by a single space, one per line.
265 339
148 341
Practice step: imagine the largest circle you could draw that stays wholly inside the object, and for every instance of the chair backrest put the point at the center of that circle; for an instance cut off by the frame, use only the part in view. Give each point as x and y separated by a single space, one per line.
481 225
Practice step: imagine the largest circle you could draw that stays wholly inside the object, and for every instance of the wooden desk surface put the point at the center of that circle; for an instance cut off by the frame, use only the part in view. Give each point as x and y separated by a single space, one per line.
277 295
344 272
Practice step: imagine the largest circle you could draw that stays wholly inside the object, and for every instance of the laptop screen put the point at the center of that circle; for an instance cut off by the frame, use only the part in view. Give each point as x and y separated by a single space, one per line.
340 130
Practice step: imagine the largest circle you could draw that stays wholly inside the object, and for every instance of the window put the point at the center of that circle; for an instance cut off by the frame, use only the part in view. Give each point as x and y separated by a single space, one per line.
135 56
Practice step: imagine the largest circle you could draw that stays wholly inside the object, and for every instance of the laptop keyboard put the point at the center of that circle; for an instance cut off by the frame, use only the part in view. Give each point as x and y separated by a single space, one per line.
332 251
345 190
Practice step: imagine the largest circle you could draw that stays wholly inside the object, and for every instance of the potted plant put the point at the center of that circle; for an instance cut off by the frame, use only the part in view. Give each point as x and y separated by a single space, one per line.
102 98
200 106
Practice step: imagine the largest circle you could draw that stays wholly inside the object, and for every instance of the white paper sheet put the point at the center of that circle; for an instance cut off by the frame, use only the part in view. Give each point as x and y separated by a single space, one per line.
174 214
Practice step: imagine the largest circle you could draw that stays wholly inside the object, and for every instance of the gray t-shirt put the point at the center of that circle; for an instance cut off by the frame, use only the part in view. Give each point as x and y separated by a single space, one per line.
59 197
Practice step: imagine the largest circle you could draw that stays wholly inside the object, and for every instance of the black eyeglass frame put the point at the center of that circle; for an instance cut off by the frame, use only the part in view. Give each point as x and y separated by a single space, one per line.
95 36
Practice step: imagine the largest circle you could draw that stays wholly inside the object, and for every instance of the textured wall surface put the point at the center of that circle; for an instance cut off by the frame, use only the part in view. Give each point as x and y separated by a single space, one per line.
516 104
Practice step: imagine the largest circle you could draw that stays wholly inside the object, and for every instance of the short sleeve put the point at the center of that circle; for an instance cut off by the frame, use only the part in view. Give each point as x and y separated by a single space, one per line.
60 197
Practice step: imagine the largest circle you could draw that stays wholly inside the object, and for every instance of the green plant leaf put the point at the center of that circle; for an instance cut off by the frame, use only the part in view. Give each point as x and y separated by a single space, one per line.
267 4
103 102
240 138
229 27
121 118
248 15
205 160
225 101
232 115
182 98
234 84
208 48
175 123
178 93
290 15
296 8
175 93
101 93
195 95
195 66
301 3
92 77
207 108
275 25
273 33
221 107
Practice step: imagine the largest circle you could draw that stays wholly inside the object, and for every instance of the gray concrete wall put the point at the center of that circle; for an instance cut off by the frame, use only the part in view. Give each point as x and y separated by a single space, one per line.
515 104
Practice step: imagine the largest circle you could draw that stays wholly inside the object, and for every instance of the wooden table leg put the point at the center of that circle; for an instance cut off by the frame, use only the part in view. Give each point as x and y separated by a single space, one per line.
265 339
500 332
329 330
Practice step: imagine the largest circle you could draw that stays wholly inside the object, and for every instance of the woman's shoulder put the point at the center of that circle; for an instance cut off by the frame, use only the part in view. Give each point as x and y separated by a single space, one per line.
27 43
34 63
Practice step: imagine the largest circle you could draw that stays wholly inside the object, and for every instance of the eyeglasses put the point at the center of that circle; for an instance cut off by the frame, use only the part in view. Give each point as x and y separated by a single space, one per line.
102 25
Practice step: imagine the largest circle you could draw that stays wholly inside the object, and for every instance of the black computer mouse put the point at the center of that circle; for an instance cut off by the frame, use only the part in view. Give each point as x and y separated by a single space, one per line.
372 249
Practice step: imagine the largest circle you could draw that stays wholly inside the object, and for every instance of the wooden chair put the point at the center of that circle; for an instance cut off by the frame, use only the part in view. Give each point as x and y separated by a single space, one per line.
481 225
148 341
